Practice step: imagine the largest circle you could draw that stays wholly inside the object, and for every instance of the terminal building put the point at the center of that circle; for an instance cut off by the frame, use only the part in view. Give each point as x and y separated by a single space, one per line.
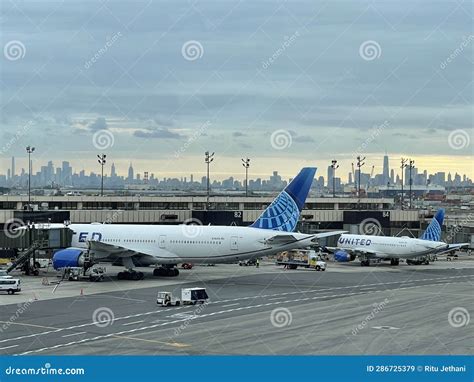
319 213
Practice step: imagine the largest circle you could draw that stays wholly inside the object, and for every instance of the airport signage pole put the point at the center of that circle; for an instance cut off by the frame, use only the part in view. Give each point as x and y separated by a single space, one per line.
411 166
246 164
208 158
360 163
29 150
403 165
102 162
334 166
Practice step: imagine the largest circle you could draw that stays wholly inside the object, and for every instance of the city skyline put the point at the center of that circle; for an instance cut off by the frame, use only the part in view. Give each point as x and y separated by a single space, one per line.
64 174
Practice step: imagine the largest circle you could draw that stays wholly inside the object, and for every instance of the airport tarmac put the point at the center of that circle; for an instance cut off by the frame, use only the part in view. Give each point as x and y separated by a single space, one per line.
346 310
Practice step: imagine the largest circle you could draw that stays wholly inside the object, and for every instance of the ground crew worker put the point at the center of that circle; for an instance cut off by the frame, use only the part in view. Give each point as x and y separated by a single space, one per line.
257 263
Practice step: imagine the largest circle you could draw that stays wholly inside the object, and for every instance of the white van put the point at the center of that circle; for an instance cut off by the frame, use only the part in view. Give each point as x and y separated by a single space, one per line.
10 285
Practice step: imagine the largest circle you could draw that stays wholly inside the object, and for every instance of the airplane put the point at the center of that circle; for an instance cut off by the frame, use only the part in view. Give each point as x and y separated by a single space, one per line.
368 247
169 245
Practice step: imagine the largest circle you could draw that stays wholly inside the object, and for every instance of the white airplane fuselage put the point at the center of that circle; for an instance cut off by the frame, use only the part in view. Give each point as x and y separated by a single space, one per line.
389 247
172 244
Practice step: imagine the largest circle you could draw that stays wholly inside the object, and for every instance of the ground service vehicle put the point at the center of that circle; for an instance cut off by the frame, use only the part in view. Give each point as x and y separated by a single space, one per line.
189 296
167 299
305 259
11 286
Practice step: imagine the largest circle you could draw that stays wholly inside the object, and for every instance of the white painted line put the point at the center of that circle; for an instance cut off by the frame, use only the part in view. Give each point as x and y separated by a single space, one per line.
225 306
8 347
132 323
74 334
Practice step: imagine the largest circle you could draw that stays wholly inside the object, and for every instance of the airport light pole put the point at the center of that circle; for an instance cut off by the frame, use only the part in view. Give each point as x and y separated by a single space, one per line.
102 162
208 158
246 164
360 163
402 166
410 167
29 150
334 166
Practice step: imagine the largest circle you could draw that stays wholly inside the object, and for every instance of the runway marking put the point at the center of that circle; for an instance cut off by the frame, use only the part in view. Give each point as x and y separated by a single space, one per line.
100 337
226 306
56 330
9 347
385 328
133 323
73 334
174 344
23 324
118 298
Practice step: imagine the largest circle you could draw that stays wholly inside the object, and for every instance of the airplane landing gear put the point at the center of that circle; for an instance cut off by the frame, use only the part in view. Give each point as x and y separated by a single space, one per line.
364 261
163 271
394 261
130 275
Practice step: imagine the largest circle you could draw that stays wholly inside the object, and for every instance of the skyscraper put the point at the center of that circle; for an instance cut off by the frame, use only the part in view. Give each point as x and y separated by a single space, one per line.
13 168
386 170
330 176
113 174
130 173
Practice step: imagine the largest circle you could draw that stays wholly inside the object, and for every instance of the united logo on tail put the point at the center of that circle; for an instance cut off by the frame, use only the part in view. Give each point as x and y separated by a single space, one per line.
284 212
433 232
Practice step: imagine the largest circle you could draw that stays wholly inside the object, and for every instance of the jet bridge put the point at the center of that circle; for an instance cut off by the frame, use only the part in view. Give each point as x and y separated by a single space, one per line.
27 240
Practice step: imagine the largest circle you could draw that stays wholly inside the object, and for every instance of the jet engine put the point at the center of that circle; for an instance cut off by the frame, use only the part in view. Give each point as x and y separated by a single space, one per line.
343 257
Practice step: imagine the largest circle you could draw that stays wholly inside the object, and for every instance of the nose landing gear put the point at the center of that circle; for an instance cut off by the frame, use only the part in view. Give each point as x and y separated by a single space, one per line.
166 271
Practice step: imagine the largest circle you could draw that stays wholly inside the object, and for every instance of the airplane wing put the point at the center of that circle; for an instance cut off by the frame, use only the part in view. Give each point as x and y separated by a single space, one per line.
452 247
281 239
103 250
328 234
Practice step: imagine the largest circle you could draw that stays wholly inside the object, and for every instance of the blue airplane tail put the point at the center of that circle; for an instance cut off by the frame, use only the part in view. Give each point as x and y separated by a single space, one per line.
284 212
433 232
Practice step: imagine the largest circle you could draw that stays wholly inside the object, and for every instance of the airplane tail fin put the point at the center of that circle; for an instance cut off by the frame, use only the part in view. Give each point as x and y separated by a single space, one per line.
433 231
283 213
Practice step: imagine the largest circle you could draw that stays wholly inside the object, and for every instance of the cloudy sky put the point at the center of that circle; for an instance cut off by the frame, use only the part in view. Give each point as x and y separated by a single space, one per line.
286 83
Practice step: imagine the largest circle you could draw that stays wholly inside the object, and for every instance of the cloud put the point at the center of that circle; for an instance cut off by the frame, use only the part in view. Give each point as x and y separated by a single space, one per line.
156 133
303 139
99 124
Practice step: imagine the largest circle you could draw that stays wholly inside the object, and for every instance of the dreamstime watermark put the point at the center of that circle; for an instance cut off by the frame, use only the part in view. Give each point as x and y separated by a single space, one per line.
193 316
96 57
21 309
370 50
103 317
192 228
459 139
456 52
13 226
459 317
376 308
21 132
113 218
14 50
281 317
459 227
192 50
44 370
374 134
103 139
370 226
281 139
195 136
287 42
